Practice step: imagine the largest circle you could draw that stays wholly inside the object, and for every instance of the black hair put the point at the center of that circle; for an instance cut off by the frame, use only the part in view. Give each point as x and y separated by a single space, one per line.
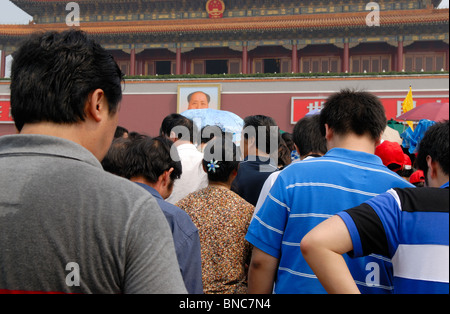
221 157
357 112
183 127
53 74
151 157
308 137
289 140
209 132
435 144
284 154
114 161
271 133
120 131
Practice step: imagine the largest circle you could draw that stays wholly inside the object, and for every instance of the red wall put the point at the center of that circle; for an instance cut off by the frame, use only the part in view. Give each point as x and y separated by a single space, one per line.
146 104
144 113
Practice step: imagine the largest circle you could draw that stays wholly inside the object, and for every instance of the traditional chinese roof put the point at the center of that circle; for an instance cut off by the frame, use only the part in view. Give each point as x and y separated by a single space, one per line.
248 24
45 10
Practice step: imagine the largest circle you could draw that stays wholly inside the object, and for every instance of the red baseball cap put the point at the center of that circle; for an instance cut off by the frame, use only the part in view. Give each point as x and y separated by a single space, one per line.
417 177
392 153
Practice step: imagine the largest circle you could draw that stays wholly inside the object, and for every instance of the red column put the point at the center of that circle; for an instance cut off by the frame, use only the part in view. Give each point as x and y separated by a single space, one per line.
294 62
346 58
3 64
244 60
446 60
400 56
133 62
178 61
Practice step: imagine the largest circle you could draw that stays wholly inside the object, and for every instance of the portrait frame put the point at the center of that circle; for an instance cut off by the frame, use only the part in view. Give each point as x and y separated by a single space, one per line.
213 90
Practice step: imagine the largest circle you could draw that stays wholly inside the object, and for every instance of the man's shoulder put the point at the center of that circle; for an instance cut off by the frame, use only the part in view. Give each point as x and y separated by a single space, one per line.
119 193
424 199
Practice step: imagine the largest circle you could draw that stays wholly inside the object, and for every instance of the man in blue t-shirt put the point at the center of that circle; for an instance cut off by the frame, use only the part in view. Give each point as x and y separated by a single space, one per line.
309 192
411 226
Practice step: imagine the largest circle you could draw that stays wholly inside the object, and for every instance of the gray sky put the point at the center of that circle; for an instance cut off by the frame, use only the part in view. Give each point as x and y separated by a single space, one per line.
10 14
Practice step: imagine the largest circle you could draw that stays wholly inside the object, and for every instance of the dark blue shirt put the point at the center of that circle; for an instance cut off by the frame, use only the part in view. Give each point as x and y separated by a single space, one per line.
186 240
253 173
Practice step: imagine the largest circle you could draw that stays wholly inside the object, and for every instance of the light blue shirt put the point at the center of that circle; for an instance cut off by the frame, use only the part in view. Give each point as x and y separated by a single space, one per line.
307 193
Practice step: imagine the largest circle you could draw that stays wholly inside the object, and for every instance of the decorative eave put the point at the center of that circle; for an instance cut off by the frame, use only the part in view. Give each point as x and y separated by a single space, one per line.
247 28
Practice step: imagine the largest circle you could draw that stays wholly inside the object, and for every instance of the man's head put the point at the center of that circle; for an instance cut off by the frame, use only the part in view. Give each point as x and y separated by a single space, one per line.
307 137
433 158
177 127
65 79
261 136
352 113
53 75
114 161
198 100
150 161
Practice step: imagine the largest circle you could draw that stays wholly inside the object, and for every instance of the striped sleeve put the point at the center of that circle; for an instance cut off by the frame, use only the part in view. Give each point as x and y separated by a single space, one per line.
267 228
374 225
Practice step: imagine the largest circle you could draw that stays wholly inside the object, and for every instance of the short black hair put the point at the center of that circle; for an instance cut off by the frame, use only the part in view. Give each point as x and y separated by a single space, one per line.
120 131
209 132
357 112
183 127
53 74
151 157
271 132
114 161
223 153
308 137
435 144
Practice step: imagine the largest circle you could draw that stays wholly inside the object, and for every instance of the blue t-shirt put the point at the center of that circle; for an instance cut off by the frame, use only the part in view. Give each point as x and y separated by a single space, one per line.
411 226
305 195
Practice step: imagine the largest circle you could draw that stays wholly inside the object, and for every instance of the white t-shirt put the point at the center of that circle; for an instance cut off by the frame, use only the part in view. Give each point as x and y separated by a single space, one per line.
193 178
268 186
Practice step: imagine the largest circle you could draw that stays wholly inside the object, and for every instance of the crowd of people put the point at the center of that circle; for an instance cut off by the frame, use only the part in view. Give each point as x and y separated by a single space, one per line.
89 207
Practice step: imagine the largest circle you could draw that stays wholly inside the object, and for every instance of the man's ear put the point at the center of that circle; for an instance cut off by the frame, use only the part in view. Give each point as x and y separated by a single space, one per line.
378 142
173 137
166 177
329 133
96 105
432 167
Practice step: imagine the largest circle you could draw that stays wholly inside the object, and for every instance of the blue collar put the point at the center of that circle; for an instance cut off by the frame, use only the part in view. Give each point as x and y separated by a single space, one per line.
445 186
151 190
354 155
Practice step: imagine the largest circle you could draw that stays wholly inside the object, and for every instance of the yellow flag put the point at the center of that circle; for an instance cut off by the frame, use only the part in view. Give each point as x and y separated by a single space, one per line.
408 104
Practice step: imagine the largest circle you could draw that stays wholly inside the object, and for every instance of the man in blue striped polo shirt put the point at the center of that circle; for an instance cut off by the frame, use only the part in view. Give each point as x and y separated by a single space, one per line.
308 193
411 226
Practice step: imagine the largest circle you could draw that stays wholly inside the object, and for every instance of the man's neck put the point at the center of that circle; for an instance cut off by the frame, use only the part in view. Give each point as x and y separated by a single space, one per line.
80 133
178 143
142 180
258 153
353 142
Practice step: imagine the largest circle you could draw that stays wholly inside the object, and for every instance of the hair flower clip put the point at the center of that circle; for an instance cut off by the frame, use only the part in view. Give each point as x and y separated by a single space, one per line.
212 166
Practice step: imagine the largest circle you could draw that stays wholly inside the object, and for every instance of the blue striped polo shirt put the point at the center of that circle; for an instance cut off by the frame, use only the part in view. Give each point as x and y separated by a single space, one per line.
307 193
411 226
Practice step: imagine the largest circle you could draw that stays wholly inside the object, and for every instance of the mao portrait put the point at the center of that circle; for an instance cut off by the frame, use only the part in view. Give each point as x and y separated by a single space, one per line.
199 97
